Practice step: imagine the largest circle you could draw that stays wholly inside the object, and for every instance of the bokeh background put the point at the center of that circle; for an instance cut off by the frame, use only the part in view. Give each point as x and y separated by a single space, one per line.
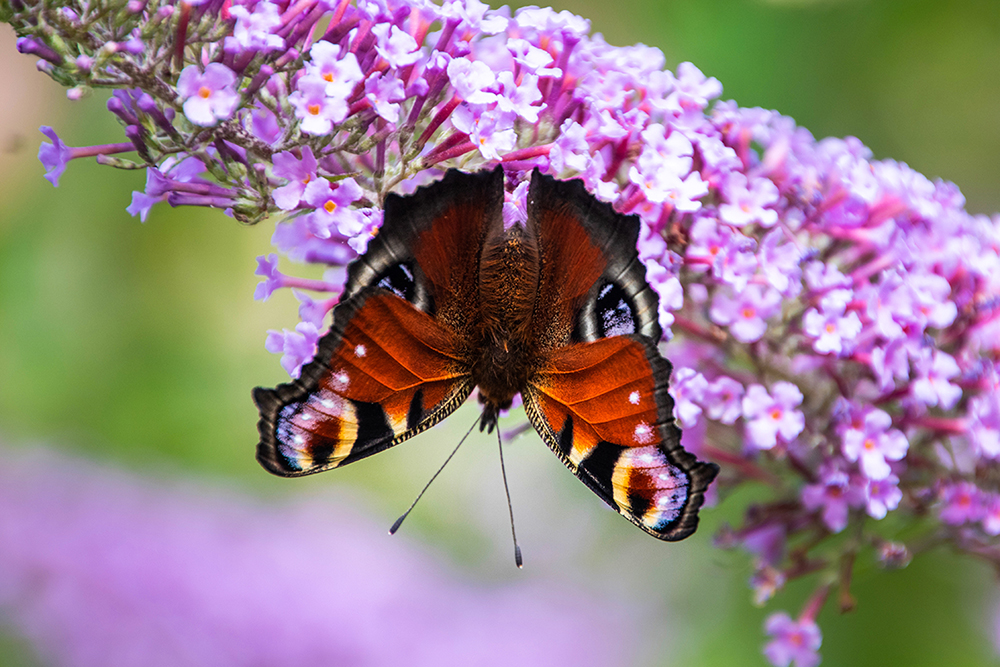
135 346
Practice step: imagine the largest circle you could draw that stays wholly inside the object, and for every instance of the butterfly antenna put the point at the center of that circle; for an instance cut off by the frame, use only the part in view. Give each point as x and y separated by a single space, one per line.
510 508
399 521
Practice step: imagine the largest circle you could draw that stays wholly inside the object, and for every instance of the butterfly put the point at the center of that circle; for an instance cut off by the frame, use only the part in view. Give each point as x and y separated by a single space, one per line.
448 298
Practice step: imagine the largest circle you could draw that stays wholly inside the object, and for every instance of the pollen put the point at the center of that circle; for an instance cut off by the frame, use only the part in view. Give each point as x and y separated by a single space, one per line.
204 92
330 206
313 109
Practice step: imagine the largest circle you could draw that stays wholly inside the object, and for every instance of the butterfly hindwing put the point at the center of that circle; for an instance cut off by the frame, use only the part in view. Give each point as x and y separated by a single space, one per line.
603 407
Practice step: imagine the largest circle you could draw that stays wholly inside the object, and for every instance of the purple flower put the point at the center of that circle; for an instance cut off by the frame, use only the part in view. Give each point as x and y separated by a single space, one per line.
299 172
747 203
990 510
487 133
331 202
209 96
520 99
383 92
834 495
102 568
932 386
297 347
54 156
254 30
473 80
723 400
746 313
795 642
396 46
691 88
316 111
688 389
765 583
768 416
831 329
874 443
340 74
267 267
882 496
961 504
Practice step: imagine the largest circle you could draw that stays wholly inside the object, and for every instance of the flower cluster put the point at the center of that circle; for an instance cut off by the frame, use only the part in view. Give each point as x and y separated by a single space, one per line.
835 319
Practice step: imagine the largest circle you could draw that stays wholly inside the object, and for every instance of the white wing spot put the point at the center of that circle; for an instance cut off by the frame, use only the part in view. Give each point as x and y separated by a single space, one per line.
633 398
341 379
360 350
305 416
643 434
326 403
298 439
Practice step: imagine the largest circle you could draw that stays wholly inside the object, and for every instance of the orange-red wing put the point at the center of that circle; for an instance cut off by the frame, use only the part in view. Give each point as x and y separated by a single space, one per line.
385 372
604 409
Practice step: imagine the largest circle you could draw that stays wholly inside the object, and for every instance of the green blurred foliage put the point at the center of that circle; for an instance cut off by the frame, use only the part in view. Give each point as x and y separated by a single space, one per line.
139 344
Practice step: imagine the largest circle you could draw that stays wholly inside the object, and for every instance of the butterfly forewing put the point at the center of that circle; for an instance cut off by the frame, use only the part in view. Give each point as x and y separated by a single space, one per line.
385 372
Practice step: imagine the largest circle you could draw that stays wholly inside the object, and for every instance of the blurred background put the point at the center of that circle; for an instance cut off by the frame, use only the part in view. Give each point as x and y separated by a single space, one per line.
134 347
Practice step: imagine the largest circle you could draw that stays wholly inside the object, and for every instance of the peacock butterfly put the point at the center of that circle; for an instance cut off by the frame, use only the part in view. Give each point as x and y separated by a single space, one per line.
447 299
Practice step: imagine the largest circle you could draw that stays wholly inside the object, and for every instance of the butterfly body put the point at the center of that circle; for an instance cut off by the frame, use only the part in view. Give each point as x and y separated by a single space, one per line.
448 298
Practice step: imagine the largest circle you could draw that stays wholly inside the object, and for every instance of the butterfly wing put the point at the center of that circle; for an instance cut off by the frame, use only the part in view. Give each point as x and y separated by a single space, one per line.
604 408
599 395
385 372
397 357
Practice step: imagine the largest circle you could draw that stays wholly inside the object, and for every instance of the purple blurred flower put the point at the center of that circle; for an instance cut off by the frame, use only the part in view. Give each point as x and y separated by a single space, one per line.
831 329
723 400
101 568
834 495
209 96
882 495
688 389
768 416
795 642
932 384
961 504
746 313
254 30
747 203
874 443
54 156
